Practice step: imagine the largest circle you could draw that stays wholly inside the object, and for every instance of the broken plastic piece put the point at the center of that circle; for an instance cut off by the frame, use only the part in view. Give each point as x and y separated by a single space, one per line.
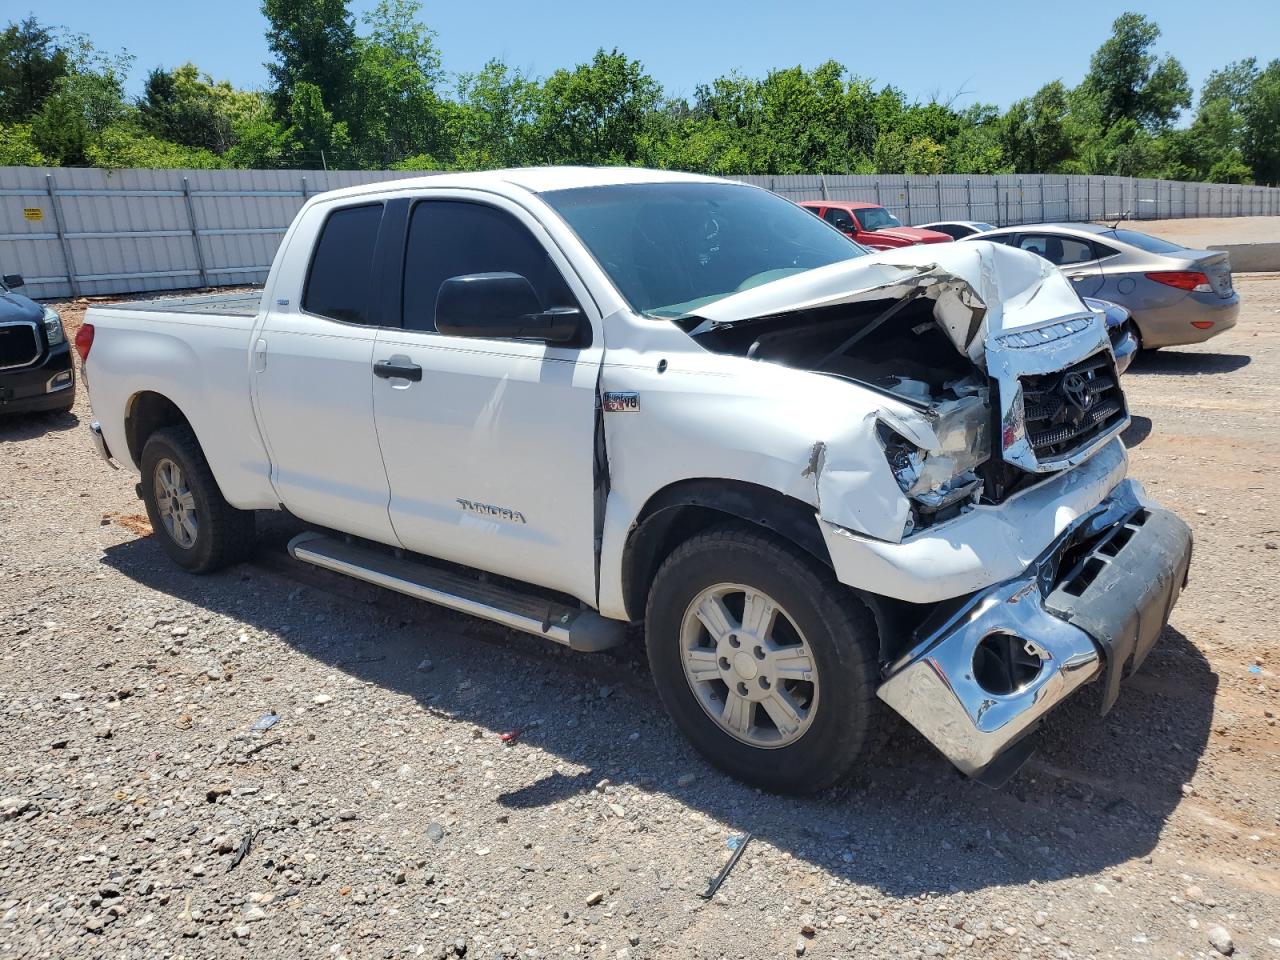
242 851
724 871
512 735
265 722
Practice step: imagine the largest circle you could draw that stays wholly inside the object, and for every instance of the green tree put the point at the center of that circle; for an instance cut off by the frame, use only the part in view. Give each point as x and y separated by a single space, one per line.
83 103
192 109
1261 135
125 145
1035 133
395 109
315 139
31 61
314 43
492 125
17 149
595 113
1127 81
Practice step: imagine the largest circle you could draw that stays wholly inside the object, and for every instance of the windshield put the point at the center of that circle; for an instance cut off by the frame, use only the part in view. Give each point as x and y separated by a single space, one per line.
1143 241
877 218
671 248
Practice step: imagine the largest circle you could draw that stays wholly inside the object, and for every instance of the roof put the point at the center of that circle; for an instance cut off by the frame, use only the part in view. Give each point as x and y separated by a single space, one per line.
1064 227
841 204
533 179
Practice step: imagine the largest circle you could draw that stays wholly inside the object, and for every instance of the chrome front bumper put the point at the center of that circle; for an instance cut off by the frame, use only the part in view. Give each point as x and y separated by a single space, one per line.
1092 604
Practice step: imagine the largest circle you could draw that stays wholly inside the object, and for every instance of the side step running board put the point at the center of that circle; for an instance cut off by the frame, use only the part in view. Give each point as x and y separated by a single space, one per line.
577 629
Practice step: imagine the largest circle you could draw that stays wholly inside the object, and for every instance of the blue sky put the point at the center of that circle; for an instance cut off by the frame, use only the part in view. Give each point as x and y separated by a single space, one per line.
983 51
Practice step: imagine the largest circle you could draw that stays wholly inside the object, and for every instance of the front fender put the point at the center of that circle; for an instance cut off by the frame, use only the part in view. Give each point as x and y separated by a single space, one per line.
808 437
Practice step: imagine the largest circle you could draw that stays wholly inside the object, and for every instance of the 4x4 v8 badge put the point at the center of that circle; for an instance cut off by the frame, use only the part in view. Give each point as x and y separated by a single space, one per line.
622 402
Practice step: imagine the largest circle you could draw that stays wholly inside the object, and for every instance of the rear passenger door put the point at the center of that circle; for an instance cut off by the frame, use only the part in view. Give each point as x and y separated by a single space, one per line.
491 453
312 369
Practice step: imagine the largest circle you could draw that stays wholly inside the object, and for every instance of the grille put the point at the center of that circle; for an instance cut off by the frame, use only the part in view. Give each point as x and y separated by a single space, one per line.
1067 410
19 344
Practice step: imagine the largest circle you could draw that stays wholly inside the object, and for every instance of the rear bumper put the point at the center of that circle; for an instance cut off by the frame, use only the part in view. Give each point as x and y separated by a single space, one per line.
47 385
1171 325
1092 604
100 444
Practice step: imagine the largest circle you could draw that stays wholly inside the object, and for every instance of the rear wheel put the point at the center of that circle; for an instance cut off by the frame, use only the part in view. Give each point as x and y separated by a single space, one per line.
763 660
195 525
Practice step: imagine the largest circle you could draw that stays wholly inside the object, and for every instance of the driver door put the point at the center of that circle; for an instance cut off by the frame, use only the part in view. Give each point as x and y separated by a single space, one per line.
489 443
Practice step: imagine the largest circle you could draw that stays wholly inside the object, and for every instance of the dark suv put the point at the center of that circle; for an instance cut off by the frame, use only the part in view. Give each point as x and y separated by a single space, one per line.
35 359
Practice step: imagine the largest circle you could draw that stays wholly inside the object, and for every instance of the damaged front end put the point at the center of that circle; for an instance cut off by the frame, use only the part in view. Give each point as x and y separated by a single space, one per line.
980 681
1044 568
1006 374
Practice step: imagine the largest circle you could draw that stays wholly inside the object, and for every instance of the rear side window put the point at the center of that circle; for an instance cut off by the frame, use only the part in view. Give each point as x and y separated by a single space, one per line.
340 280
1058 250
454 238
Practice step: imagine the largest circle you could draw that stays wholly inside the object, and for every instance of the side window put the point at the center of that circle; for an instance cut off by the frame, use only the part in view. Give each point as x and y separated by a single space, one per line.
1060 251
1102 250
340 278
453 238
838 218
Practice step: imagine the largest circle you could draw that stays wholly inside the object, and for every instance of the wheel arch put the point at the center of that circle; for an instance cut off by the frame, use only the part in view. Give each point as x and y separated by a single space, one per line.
682 509
146 412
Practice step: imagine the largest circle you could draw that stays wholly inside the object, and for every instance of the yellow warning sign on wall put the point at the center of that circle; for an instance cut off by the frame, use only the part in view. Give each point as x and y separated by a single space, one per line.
33 213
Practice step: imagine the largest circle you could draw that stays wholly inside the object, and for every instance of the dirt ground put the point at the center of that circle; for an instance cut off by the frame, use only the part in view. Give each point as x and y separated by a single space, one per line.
381 814
1202 231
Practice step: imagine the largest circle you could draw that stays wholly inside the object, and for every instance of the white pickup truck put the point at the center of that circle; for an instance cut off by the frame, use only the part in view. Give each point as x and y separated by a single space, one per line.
826 481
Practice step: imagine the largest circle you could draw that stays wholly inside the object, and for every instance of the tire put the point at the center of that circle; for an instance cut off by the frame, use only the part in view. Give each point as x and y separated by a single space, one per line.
843 716
218 534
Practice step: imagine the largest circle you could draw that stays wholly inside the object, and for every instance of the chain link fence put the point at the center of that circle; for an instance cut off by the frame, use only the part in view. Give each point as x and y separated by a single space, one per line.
84 232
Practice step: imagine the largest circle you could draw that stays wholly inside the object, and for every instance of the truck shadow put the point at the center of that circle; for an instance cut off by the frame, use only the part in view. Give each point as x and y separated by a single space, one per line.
1098 793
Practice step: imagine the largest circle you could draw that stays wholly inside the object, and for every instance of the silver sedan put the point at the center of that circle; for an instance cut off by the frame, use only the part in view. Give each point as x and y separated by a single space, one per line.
1176 295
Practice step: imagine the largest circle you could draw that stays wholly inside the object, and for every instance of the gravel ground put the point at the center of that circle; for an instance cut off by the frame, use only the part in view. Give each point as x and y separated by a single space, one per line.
144 812
1202 231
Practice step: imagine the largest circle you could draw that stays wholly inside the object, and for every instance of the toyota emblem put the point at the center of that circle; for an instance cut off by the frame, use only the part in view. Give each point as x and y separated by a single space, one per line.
1075 388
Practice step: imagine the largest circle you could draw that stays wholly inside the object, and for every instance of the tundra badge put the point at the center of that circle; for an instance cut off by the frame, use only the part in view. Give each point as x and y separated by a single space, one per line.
489 510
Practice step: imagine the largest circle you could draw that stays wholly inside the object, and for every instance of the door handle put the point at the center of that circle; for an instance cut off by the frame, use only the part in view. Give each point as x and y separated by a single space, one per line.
1077 277
396 368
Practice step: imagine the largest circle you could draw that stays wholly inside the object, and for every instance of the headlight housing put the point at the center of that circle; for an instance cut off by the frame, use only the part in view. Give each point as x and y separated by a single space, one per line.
53 332
945 477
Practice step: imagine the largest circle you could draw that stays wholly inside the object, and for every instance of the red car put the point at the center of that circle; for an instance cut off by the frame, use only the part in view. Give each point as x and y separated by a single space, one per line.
870 224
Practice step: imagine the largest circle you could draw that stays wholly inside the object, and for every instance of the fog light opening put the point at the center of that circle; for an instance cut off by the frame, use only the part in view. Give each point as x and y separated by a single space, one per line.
59 381
1004 663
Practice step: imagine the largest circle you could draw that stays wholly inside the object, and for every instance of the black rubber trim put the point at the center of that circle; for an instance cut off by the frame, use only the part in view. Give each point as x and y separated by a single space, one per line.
1127 600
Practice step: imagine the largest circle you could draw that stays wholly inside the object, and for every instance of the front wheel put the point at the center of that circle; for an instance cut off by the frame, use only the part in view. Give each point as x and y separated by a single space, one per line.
195 525
764 661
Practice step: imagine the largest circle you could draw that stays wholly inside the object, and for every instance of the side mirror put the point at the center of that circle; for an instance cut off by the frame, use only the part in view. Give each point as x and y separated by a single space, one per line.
844 223
13 280
502 306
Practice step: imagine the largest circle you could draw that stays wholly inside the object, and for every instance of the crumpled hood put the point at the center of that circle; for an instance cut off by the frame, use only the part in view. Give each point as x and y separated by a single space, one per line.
982 289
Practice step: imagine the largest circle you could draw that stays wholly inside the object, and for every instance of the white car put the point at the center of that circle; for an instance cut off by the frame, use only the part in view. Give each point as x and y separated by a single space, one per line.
958 229
825 481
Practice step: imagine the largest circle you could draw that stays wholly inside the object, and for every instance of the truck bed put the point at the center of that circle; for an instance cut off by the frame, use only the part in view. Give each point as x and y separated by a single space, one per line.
222 304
